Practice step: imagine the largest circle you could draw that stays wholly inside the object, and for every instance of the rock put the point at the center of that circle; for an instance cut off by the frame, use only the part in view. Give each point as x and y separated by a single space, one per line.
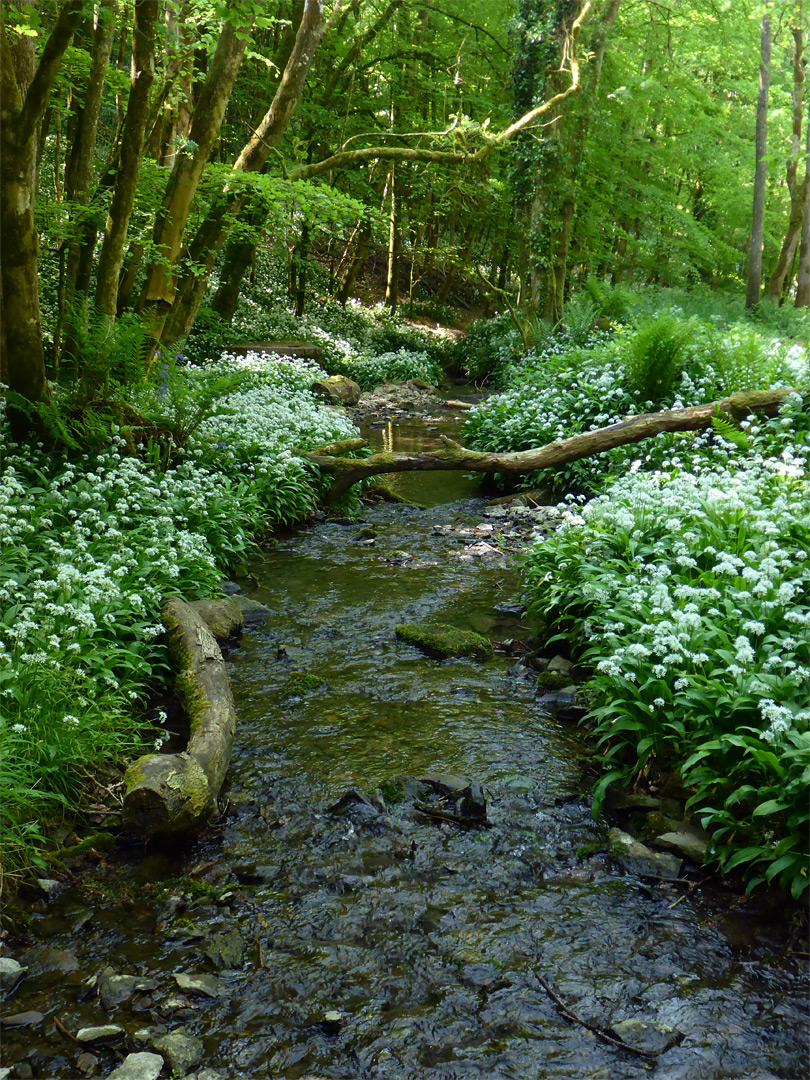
252 611
637 858
552 680
103 1033
331 1022
560 665
448 797
139 1066
204 985
225 950
49 887
86 1063
23 1019
687 840
222 615
443 641
113 989
355 800
230 588
207 1074
300 683
181 1052
337 390
10 972
648 1038
49 961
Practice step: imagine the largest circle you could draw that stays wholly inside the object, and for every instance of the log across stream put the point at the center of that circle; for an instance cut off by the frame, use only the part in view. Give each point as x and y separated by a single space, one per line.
310 935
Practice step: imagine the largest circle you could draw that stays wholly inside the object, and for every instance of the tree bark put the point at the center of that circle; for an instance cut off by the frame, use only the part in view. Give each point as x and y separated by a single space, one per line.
761 171
803 276
171 793
349 471
207 243
22 357
798 190
158 288
111 255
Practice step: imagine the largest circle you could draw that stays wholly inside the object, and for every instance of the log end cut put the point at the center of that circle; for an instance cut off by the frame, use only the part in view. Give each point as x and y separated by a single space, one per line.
167 793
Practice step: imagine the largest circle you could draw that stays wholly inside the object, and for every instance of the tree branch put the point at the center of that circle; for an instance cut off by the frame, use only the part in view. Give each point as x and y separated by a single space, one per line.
36 99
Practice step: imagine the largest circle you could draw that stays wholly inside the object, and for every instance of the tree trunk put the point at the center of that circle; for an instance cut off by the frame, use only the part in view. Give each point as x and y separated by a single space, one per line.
761 171
158 289
803 276
348 471
798 190
22 357
359 256
132 141
207 243
392 275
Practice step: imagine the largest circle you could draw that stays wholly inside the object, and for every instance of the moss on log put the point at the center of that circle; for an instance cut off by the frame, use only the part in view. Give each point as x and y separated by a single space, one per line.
171 793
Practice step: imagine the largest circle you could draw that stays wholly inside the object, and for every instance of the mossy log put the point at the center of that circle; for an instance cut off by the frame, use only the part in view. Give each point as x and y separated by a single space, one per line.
349 471
172 793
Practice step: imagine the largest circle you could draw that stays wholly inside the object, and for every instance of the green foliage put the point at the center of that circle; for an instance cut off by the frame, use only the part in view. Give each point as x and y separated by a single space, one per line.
688 592
657 356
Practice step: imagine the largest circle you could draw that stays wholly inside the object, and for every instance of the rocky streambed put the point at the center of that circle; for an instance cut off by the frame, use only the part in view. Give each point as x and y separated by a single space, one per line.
407 881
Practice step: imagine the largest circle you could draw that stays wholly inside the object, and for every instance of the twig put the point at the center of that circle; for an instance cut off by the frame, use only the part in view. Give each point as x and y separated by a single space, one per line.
692 886
61 1028
600 1033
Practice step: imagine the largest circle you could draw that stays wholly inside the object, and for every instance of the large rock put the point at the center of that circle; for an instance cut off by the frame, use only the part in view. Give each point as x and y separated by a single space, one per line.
141 1066
183 1052
447 797
443 641
337 390
637 858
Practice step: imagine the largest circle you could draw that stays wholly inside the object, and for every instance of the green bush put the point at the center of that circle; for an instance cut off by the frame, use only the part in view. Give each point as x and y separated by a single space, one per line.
688 592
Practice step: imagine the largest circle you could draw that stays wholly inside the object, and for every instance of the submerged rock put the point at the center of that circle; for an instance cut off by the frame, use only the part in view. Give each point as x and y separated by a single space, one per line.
11 971
300 683
358 801
648 1038
443 641
205 985
252 611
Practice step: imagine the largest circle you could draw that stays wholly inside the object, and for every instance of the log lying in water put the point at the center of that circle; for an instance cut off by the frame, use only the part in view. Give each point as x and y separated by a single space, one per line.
348 471
171 793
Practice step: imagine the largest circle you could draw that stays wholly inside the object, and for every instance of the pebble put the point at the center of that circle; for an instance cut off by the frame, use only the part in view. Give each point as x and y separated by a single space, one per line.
139 1066
98 1034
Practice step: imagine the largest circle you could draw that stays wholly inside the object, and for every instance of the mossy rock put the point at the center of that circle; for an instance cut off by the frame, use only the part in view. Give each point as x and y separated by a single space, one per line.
552 680
392 790
442 641
100 842
300 683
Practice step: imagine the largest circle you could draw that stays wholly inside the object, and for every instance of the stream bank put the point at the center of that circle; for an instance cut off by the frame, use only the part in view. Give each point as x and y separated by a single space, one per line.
311 932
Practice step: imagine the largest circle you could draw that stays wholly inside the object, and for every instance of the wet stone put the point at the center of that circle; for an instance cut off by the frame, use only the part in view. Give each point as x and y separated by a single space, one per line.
355 801
637 858
86 1063
226 950
448 797
139 1066
11 971
648 1038
50 961
115 989
181 1051
202 985
103 1033
23 1019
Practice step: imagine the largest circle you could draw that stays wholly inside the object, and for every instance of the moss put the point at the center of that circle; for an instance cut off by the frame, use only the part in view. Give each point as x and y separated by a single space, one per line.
192 784
585 851
392 790
443 641
367 534
193 698
99 842
300 683
552 680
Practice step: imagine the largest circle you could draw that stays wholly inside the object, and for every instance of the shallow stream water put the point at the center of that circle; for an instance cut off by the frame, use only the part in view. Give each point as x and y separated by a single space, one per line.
350 943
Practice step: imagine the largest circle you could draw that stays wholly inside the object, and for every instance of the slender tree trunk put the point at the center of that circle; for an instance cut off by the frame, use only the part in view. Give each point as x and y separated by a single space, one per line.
761 171
803 276
798 189
22 358
158 289
207 242
392 275
132 141
359 257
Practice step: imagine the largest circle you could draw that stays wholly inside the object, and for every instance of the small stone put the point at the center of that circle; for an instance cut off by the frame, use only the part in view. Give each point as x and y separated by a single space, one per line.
86 1062
10 972
49 887
230 588
99 1034
688 841
181 1052
23 1019
560 665
648 1038
206 985
331 1022
139 1066
226 950
114 989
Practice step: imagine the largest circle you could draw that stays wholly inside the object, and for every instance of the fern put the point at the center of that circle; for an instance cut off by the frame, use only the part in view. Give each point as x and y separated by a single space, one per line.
727 430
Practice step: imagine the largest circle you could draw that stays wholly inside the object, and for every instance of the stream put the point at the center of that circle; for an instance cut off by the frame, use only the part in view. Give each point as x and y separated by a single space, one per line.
315 933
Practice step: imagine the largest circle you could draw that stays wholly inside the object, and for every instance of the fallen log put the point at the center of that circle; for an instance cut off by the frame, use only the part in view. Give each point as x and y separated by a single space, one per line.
349 471
173 793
